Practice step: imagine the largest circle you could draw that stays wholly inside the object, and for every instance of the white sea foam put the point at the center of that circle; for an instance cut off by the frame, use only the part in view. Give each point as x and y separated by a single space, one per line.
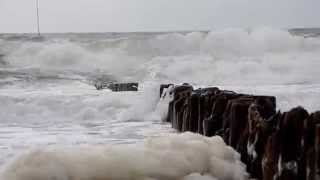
185 156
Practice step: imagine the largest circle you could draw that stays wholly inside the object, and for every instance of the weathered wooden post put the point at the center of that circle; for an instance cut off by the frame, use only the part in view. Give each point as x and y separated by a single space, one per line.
182 97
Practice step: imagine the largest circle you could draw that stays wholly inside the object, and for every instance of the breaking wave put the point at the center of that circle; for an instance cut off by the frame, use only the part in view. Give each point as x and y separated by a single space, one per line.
231 56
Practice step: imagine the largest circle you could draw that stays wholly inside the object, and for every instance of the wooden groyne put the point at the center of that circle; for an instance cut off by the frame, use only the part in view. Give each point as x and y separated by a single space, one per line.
273 145
117 87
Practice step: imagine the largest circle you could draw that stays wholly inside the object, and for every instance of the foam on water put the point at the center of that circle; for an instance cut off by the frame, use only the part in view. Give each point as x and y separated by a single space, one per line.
184 156
47 101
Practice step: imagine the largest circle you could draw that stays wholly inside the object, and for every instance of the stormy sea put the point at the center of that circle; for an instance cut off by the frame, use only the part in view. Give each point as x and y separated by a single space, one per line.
55 125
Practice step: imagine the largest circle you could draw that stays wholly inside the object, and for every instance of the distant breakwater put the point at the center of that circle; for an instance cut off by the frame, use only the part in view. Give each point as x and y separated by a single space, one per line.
273 144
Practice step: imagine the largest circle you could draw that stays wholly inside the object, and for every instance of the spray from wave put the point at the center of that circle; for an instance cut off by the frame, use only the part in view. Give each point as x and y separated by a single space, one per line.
231 56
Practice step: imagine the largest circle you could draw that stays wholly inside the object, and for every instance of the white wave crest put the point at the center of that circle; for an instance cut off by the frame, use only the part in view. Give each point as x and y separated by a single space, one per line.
231 56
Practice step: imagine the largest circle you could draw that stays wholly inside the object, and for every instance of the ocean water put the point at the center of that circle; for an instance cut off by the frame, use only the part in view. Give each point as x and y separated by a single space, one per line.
54 125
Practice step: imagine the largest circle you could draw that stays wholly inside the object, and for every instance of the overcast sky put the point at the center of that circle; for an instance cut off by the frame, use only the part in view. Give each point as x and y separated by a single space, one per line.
156 15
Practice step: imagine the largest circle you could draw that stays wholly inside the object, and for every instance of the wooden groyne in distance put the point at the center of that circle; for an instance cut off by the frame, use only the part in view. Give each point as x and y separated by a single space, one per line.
273 145
117 87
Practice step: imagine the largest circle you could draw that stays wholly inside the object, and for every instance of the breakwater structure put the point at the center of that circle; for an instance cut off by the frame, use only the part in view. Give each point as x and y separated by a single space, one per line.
116 87
273 144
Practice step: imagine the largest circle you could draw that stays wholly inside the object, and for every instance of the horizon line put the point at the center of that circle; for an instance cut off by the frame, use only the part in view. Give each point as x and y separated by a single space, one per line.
151 31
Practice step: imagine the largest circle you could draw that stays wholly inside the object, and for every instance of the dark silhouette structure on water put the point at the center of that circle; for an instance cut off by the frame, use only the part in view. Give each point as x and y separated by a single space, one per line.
273 145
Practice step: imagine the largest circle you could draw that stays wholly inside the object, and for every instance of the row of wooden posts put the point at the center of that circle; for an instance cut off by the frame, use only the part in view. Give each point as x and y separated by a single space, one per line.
273 145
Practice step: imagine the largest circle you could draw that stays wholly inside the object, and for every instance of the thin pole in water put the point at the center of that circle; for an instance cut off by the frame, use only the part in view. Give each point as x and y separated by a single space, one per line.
38 19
